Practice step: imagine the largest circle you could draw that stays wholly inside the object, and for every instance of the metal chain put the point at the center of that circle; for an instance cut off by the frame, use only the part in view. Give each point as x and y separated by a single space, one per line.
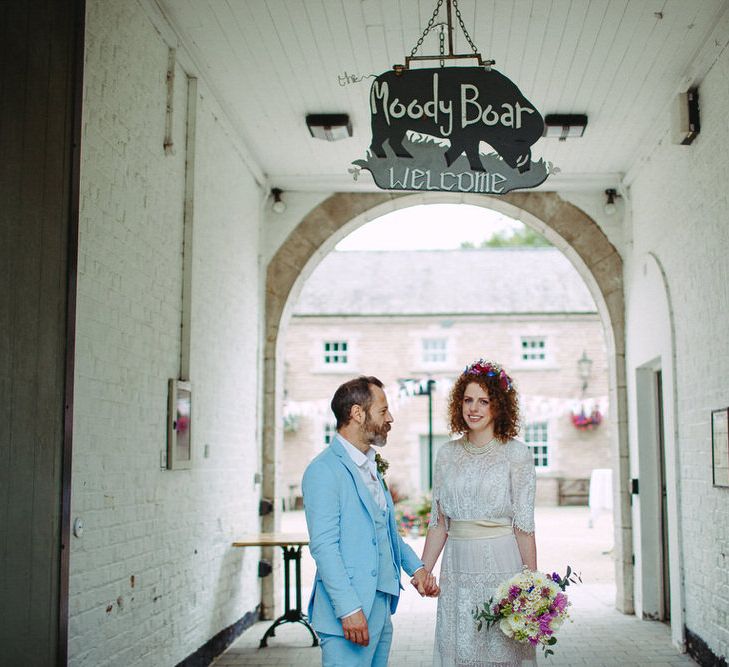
428 27
442 44
463 27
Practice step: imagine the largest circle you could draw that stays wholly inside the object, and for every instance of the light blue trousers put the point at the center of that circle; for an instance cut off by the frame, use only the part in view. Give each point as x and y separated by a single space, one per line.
336 651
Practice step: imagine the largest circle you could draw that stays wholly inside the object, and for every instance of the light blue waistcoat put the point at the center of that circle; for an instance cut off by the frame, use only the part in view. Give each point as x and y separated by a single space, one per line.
388 578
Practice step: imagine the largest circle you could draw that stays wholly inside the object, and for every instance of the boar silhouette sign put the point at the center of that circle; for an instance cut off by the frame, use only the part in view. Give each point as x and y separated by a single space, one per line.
428 126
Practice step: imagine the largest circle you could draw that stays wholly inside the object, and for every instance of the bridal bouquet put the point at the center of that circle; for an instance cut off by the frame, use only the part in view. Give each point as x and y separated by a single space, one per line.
529 607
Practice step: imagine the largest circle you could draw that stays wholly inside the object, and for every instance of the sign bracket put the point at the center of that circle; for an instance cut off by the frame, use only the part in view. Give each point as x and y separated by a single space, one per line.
398 69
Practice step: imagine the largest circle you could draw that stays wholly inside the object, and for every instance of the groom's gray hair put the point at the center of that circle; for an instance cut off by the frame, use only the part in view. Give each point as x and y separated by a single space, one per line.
351 393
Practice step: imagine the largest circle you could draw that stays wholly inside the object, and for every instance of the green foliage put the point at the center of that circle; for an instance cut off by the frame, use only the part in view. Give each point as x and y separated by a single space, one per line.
486 615
521 238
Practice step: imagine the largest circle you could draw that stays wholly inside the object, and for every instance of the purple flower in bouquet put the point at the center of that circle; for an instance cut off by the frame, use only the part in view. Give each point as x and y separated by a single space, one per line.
560 602
545 624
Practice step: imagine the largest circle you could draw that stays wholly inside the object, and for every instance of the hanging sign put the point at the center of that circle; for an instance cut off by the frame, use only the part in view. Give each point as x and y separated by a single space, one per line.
429 125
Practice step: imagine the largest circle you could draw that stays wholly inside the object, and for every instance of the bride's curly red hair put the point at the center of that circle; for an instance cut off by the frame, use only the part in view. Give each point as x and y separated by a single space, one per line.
504 405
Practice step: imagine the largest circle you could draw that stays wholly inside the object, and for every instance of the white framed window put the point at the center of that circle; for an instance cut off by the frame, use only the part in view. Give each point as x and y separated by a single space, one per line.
336 352
533 349
434 350
536 437
330 430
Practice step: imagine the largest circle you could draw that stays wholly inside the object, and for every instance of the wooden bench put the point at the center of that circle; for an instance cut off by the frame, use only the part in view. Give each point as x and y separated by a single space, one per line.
573 491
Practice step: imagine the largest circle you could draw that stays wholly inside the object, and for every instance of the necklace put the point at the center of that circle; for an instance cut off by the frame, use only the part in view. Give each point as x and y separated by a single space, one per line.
473 449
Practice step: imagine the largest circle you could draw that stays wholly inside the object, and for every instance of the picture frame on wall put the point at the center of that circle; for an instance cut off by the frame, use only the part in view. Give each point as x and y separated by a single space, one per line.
179 413
720 446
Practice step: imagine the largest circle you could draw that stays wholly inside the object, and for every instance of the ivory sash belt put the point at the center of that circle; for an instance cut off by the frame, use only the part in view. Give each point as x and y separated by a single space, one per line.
483 529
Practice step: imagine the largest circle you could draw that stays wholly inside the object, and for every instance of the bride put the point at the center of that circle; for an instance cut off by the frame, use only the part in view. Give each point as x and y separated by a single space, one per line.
483 514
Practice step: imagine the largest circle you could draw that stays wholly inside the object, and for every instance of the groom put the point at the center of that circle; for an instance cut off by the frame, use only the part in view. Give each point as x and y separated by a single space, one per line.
353 536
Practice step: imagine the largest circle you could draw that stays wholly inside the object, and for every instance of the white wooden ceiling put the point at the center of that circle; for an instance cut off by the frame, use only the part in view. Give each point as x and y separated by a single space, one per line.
270 62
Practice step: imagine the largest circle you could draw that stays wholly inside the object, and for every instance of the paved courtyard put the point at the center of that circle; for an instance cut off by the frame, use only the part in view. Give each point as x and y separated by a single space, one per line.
598 634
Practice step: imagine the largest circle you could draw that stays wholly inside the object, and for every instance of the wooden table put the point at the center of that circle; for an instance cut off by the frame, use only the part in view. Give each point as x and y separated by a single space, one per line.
291 544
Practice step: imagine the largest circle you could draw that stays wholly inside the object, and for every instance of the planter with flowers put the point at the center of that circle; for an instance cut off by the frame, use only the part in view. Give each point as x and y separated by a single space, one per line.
413 516
586 421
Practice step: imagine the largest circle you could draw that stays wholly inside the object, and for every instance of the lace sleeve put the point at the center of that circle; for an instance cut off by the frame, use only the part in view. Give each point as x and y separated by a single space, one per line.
436 514
523 487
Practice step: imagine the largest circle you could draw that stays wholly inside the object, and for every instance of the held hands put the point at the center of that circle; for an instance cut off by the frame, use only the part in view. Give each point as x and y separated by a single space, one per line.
425 583
355 628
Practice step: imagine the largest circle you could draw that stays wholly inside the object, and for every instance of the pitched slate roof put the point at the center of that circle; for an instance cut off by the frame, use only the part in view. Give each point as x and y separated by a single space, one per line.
424 282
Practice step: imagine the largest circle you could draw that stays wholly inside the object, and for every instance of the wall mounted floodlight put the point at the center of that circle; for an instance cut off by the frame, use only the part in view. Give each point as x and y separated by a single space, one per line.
563 126
685 124
329 126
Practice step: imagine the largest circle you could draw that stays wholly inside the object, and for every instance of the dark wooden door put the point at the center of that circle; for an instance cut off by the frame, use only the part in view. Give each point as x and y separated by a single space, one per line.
40 62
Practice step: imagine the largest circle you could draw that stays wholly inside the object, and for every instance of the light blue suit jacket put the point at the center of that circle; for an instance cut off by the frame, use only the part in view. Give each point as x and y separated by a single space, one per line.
343 540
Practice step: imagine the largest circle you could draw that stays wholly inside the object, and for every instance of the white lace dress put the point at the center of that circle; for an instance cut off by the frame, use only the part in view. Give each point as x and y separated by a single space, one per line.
497 484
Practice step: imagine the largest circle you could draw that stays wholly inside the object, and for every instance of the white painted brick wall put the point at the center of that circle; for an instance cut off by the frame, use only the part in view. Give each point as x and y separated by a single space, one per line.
170 530
681 214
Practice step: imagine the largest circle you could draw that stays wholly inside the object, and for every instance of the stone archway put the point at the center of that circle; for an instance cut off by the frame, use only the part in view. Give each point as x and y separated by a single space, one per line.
566 226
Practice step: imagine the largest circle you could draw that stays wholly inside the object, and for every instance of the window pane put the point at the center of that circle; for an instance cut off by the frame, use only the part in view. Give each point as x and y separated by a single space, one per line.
330 430
536 436
335 352
533 348
434 350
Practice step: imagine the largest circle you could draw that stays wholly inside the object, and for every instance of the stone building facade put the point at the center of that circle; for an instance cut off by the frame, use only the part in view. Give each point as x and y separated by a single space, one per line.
424 315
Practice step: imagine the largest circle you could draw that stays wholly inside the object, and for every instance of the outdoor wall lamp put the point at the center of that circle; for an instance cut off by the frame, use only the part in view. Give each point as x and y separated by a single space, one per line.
279 205
563 125
329 126
584 368
610 206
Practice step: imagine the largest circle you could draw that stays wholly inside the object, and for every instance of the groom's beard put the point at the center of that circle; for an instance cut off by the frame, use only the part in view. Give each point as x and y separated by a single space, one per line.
374 435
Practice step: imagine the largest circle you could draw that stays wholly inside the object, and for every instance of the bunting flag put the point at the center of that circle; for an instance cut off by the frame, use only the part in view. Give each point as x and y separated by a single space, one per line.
534 407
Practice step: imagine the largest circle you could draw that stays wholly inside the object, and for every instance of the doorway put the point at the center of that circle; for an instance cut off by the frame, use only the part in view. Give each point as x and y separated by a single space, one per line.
665 612
651 499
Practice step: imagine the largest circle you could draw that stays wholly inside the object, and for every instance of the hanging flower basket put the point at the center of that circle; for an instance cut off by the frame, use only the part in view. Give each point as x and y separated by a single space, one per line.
584 421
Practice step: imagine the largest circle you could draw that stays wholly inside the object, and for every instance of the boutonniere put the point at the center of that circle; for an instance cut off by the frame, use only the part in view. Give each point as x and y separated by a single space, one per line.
382 466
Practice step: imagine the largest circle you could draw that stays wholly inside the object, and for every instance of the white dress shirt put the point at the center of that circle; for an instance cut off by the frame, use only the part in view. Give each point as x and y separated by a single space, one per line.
367 468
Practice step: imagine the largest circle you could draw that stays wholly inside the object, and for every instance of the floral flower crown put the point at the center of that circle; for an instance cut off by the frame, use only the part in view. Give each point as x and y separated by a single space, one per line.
490 369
